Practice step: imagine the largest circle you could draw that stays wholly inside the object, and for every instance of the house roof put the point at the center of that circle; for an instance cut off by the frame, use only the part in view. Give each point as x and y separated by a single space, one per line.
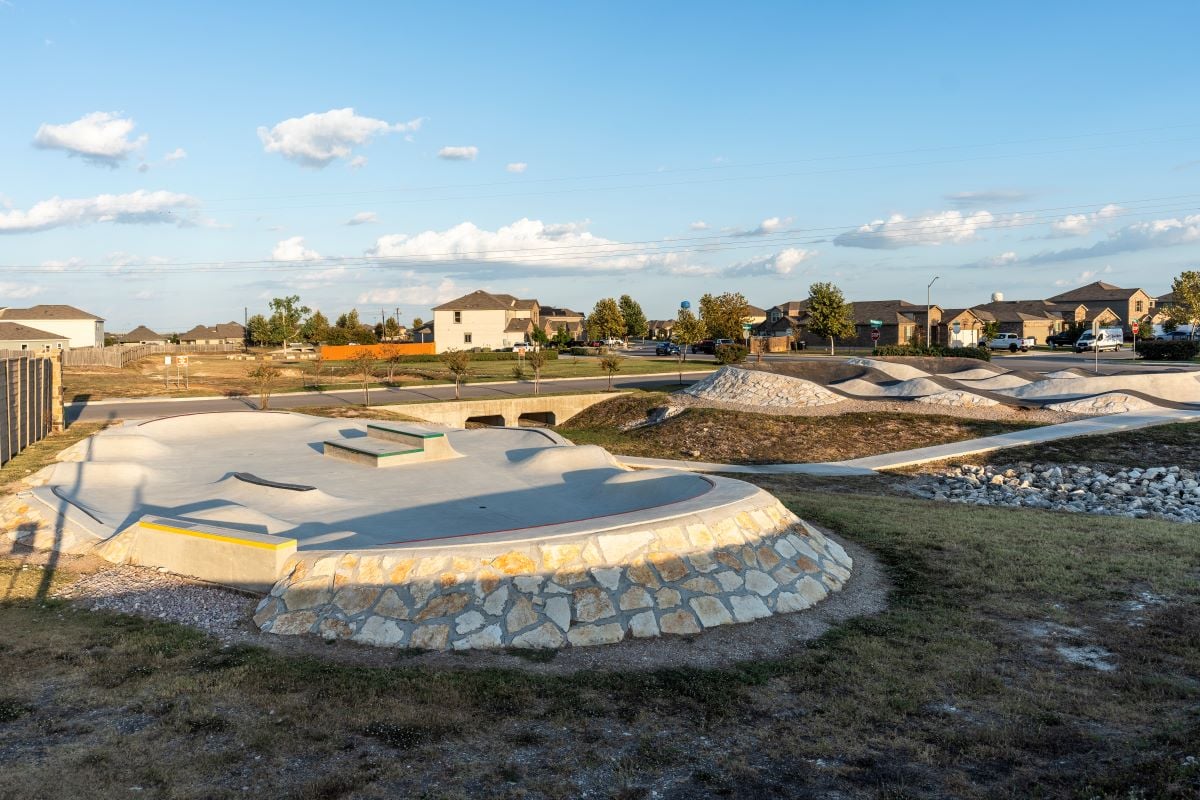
792 308
480 300
519 325
12 331
1168 298
1096 291
1018 311
230 330
890 312
140 334
755 311
554 311
47 312
950 314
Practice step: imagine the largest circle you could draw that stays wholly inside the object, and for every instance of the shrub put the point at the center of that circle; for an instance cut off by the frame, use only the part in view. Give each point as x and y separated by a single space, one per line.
1182 350
583 351
731 354
935 350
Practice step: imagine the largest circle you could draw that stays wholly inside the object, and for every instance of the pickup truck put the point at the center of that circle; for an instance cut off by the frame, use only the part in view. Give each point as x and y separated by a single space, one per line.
709 346
1011 342
1063 339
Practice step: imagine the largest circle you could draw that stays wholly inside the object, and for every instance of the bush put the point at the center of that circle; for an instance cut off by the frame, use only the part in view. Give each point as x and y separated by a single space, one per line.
583 351
1182 350
731 354
935 350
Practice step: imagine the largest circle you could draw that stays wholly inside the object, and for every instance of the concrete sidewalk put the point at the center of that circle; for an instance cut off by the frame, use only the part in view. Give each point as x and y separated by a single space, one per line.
872 464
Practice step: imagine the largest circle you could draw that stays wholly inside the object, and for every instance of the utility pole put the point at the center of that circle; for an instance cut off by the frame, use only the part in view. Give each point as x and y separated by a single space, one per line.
928 290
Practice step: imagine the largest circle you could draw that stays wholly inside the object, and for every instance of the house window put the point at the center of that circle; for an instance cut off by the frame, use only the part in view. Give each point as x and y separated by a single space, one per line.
1138 306
466 336
458 317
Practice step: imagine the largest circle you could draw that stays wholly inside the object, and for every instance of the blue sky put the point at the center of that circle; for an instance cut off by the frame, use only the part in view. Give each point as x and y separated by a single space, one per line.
170 164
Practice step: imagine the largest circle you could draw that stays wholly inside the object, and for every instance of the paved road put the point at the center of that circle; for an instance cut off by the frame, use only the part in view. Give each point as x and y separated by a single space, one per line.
141 409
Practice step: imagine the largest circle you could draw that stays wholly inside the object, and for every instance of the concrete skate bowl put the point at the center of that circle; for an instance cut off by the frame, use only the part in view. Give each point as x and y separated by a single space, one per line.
522 540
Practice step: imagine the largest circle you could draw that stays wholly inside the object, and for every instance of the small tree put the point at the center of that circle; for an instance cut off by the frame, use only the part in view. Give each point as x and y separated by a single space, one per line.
1186 309
362 364
264 376
636 326
287 318
458 362
259 330
830 316
687 331
393 357
724 315
606 321
612 365
562 337
536 360
991 330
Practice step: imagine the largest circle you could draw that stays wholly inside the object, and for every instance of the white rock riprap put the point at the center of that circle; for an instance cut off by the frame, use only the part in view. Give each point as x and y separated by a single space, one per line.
748 561
1116 403
1169 493
757 388
959 399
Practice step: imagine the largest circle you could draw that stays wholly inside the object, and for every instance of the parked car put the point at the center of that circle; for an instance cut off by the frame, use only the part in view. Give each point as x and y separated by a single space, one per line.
666 349
614 342
1065 338
710 346
1103 339
1174 336
1011 342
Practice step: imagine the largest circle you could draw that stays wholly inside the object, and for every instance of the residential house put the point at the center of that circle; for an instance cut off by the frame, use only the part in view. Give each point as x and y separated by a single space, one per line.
80 328
660 328
482 320
1026 318
1126 304
958 327
755 315
792 308
15 336
221 333
551 319
142 335
423 333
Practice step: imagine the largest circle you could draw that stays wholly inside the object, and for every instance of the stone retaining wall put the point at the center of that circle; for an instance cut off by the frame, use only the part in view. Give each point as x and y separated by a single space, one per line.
744 561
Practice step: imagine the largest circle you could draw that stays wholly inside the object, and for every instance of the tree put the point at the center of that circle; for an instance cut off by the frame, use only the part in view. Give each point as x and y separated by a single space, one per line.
687 331
1186 310
264 376
458 362
991 330
562 337
287 317
417 322
829 315
393 357
259 330
605 321
636 326
539 337
611 364
315 329
362 364
391 328
724 315
536 360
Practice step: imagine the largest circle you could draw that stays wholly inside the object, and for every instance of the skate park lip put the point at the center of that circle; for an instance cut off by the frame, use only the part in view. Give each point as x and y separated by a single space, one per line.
265 473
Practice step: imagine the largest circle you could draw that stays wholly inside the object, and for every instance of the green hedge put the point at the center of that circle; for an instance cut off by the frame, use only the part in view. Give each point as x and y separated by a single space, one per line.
1182 350
935 350
551 355
731 354
582 351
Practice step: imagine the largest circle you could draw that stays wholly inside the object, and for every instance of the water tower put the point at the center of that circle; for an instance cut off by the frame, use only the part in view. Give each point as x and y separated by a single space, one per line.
997 297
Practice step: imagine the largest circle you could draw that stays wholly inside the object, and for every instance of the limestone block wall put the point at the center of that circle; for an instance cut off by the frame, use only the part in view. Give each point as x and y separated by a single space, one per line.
741 562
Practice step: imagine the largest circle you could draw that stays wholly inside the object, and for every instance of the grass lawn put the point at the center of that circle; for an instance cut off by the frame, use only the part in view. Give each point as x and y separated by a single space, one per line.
737 437
39 454
215 374
1024 654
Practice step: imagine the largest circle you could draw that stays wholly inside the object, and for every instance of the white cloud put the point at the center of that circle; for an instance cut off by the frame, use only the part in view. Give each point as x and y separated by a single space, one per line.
178 154
1131 238
518 167
293 249
1082 224
19 290
465 153
767 226
527 246
61 265
100 138
145 294
358 162
1079 280
699 225
140 207
945 227
779 265
1002 260
363 218
314 140
414 294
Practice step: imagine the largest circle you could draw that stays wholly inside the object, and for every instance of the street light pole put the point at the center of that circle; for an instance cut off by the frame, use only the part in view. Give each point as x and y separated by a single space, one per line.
927 304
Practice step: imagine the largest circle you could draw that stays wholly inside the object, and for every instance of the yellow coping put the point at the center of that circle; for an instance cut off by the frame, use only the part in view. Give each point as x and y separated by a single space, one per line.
217 537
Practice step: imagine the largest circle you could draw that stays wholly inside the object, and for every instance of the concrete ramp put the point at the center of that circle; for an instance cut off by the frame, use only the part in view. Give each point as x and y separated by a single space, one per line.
389 445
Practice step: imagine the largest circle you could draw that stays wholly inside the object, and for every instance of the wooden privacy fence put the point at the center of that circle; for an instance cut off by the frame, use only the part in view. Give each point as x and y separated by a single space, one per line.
118 356
27 402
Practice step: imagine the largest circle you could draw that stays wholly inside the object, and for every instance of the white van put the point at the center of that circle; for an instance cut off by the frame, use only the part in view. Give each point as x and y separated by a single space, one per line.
1102 339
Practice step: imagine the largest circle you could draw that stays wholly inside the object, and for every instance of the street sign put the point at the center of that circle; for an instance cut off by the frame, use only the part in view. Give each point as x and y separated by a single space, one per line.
875 335
1135 327
746 326
957 327
876 323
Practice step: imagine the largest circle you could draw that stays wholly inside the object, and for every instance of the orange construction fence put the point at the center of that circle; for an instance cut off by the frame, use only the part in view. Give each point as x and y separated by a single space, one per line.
344 352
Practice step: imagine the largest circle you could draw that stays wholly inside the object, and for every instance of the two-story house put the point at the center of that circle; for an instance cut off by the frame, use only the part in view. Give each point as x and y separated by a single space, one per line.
484 320
80 328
